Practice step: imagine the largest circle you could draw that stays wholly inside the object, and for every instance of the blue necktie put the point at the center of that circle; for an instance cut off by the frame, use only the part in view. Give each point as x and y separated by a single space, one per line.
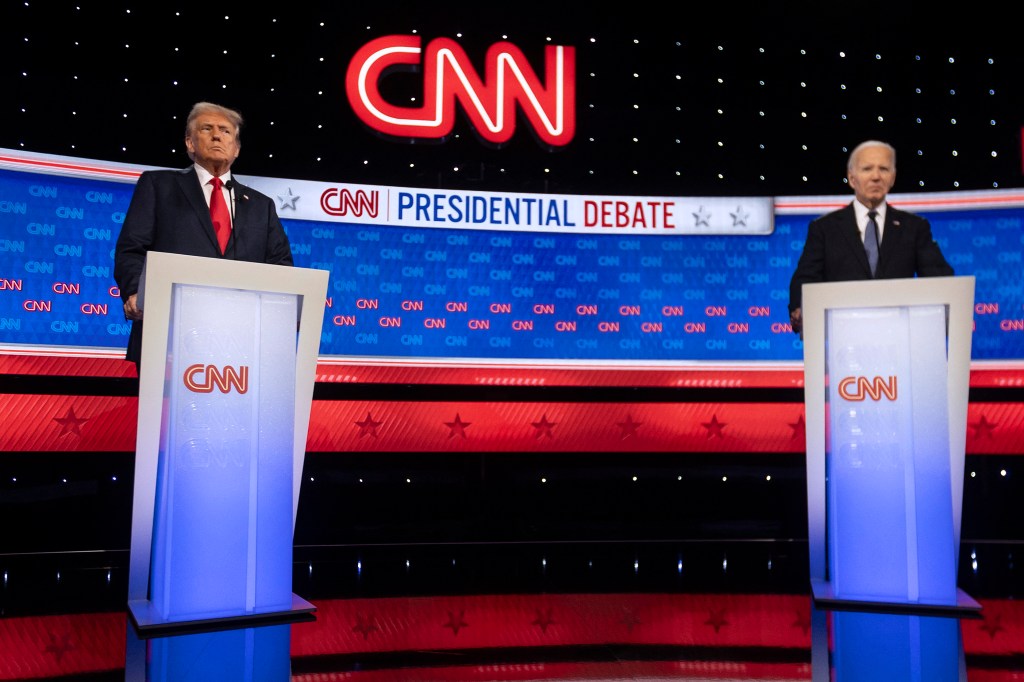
871 241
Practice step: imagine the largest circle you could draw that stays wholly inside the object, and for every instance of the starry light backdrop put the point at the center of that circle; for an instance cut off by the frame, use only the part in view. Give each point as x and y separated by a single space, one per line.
739 101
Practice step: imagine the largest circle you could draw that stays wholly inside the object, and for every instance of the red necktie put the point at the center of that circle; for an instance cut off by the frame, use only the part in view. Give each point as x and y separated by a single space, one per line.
220 215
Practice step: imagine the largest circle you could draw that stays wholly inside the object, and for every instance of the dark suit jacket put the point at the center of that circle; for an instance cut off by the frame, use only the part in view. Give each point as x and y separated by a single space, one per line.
168 212
835 252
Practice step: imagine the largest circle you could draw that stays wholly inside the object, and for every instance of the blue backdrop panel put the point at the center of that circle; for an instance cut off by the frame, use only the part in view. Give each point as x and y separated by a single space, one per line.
442 293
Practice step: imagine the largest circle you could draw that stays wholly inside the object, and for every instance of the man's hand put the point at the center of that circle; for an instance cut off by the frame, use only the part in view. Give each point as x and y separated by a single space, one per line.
795 320
131 310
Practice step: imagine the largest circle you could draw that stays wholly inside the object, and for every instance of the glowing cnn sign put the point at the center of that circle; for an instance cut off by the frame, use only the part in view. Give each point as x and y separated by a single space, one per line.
448 76
857 389
202 378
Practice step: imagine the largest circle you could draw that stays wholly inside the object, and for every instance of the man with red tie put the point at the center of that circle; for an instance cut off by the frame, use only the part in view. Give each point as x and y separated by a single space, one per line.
868 238
198 211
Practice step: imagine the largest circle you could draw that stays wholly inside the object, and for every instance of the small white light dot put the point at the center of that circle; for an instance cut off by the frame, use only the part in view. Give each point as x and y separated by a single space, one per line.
408 480
725 478
1002 472
634 478
543 480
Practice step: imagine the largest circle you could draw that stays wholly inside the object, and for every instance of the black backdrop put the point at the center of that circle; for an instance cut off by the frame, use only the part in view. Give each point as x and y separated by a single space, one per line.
737 99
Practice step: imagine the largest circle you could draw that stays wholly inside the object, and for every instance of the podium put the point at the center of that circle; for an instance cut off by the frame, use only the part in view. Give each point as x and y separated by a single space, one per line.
229 354
886 378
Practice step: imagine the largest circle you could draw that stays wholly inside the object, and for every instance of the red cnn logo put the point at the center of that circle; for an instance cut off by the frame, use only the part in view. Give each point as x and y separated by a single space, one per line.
200 378
448 76
856 389
340 202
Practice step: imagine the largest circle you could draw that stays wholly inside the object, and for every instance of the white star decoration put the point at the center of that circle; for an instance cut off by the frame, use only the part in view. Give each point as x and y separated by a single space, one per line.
739 217
701 217
288 201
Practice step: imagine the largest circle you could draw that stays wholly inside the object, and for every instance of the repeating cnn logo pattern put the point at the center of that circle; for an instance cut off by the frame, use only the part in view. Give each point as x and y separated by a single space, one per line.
200 378
549 106
857 389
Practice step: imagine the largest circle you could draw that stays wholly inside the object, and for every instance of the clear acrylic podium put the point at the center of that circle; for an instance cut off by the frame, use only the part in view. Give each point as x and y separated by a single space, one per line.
886 378
229 354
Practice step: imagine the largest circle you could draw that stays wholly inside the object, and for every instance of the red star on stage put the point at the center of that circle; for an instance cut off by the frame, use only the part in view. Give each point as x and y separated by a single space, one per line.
368 426
799 429
992 625
714 427
456 623
629 427
364 626
458 427
983 428
69 423
803 621
716 619
630 620
59 646
543 427
543 620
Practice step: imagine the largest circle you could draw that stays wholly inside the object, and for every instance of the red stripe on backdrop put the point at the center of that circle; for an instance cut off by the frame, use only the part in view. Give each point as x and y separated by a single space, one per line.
63 423
369 426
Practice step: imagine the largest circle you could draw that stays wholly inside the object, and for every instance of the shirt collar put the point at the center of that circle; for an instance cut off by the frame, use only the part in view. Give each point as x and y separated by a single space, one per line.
862 213
205 176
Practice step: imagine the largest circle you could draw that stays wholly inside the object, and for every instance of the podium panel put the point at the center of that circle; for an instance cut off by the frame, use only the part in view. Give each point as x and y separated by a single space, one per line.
225 386
886 458
886 417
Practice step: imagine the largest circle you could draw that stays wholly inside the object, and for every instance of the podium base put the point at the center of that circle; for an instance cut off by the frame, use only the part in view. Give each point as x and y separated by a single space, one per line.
148 623
825 598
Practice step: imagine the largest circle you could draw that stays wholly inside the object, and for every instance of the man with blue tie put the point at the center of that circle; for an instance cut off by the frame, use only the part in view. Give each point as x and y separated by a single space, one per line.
198 211
867 239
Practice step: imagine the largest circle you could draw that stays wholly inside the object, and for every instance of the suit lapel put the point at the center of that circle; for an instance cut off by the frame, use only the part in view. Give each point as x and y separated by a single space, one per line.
849 229
240 218
891 235
189 183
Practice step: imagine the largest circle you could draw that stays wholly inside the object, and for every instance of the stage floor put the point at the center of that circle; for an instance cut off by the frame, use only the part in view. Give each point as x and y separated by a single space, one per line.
701 610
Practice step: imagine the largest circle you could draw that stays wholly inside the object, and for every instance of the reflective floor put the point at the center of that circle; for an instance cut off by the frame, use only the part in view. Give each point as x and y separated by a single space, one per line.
730 610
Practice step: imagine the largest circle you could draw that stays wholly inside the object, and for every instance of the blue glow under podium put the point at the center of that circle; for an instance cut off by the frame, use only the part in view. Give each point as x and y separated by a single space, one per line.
225 388
886 377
